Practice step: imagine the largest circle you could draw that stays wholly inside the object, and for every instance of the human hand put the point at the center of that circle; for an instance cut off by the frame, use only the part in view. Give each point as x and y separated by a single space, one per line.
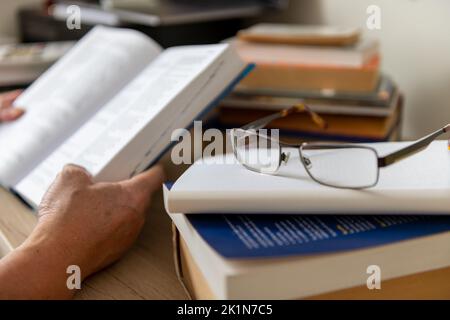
93 224
7 112
80 223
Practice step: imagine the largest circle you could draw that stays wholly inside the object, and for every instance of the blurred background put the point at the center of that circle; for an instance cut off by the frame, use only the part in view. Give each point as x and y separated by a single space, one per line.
414 37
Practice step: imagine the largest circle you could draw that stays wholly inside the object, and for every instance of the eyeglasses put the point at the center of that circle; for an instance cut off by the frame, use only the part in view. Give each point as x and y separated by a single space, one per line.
350 166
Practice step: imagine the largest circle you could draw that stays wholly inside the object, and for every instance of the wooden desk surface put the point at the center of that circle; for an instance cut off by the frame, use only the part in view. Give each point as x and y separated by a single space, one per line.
146 272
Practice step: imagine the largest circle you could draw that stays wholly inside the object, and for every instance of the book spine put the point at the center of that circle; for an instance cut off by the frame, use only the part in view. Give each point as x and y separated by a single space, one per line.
305 78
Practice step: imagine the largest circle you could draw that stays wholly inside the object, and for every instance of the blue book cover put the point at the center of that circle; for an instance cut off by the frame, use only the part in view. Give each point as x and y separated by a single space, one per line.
265 236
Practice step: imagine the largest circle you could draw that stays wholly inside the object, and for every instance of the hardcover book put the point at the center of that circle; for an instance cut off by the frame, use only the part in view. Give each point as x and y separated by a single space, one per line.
110 105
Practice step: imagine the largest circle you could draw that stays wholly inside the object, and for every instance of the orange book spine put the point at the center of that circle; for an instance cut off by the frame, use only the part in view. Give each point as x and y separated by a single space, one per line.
296 77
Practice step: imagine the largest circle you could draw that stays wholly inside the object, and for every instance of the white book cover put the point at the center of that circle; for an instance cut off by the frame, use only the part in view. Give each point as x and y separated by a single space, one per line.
419 184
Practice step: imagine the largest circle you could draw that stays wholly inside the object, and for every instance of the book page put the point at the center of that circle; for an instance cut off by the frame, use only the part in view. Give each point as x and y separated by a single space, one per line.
99 66
153 101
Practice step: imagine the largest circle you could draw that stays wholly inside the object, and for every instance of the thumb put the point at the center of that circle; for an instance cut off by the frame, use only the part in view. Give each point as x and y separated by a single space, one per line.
145 183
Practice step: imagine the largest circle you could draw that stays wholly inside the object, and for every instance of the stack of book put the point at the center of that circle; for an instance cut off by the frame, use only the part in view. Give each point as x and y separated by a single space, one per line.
244 235
319 257
334 71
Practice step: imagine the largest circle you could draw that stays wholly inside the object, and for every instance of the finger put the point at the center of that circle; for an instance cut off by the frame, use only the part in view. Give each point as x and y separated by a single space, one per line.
144 184
10 114
7 99
148 181
75 175
71 178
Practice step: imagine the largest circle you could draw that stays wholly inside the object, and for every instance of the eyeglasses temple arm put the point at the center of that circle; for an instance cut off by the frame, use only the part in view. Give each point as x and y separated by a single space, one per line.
261 123
412 148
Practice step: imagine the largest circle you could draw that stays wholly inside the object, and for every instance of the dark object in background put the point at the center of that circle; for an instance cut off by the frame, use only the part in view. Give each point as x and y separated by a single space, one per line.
170 12
37 26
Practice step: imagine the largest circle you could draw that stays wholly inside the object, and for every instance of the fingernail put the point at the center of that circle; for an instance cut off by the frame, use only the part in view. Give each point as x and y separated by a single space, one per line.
11 114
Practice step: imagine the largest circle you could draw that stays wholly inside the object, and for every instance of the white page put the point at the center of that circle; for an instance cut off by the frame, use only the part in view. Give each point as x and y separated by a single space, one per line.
217 83
68 94
419 184
173 80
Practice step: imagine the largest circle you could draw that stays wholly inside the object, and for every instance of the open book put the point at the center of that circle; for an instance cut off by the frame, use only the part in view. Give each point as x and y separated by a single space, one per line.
417 185
110 105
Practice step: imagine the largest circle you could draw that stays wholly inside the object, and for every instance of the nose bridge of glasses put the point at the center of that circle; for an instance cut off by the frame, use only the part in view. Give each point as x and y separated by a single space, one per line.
285 157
